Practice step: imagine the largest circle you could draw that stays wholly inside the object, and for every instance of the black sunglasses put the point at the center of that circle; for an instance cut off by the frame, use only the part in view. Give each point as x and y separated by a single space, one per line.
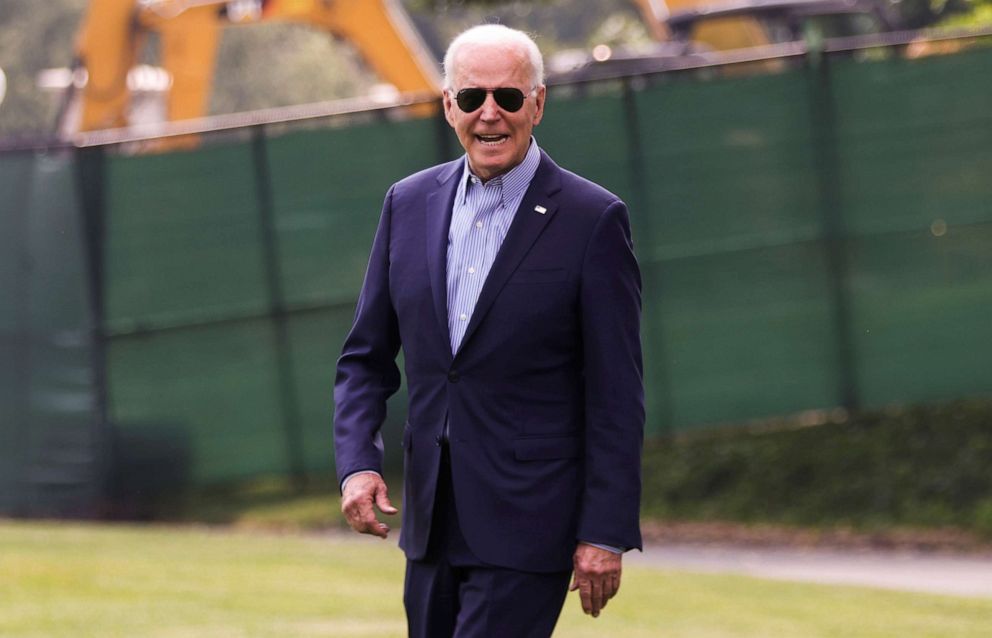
508 99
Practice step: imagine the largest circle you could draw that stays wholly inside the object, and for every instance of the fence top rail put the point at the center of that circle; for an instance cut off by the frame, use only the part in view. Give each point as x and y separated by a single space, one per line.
248 119
903 38
18 144
365 105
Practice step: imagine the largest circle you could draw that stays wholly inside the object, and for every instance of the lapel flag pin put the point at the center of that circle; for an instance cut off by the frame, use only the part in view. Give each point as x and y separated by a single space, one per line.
541 209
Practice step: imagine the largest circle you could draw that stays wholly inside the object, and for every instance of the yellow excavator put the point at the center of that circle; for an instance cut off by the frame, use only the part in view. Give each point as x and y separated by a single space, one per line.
114 32
723 25
740 32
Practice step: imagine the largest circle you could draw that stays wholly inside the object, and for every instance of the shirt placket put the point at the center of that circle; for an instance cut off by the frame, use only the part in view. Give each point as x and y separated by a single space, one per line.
490 235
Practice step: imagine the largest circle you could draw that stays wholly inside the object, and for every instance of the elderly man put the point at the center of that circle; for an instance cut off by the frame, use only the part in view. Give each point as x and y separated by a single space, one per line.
512 288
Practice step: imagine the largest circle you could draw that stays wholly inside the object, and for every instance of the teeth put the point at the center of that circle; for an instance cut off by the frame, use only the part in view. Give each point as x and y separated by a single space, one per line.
491 139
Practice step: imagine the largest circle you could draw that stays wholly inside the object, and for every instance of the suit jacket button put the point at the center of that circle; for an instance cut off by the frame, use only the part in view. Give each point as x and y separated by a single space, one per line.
453 376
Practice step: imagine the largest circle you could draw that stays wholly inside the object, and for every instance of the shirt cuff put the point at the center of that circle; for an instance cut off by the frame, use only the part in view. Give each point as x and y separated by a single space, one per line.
609 548
344 483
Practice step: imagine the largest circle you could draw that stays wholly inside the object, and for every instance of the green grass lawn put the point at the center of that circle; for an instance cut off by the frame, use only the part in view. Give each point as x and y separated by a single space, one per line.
73 580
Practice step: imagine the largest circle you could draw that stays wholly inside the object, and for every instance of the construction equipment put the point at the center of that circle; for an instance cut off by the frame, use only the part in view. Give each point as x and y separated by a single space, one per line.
737 24
690 33
778 21
741 32
114 32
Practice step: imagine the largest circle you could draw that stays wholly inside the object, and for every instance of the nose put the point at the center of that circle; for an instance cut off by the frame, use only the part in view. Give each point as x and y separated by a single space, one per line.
489 110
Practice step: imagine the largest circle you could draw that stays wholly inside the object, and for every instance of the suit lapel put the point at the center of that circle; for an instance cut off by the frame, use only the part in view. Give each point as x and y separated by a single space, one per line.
437 213
527 225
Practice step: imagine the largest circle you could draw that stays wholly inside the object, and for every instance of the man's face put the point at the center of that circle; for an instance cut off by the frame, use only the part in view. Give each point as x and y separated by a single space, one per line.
494 139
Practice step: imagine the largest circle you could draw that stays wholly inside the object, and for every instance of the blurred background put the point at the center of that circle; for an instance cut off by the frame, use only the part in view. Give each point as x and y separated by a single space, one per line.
190 190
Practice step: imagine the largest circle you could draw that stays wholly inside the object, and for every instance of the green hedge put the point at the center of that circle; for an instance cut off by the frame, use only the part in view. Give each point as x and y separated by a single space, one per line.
921 466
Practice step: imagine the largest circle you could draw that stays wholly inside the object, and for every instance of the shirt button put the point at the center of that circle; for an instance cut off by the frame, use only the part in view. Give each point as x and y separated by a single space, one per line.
471 270
463 316
478 224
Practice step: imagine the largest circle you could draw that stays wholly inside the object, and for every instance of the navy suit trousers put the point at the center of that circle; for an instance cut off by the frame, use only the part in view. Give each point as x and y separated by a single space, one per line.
452 593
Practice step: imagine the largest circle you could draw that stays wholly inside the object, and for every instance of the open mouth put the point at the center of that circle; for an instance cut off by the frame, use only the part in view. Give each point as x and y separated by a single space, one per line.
492 140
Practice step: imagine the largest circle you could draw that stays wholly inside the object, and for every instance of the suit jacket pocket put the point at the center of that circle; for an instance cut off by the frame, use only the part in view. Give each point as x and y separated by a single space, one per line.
539 276
547 447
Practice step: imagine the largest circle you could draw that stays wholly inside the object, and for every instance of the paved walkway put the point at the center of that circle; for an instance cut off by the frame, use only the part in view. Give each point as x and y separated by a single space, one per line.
932 573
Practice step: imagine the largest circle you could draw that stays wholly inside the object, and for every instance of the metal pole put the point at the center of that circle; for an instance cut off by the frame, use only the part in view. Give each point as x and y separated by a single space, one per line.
288 394
827 163
90 166
19 494
656 359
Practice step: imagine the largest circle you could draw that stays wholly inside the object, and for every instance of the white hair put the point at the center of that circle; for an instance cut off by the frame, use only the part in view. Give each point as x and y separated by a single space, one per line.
495 34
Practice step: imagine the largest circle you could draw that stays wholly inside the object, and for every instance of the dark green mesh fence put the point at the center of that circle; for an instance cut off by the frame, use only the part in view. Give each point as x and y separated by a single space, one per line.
228 302
737 274
915 177
814 238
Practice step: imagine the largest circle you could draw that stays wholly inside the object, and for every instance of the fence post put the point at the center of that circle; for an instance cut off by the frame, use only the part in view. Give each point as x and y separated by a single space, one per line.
90 164
16 491
288 394
827 164
652 277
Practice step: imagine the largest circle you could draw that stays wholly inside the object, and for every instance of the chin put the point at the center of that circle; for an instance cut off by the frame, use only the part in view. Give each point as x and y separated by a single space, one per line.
491 165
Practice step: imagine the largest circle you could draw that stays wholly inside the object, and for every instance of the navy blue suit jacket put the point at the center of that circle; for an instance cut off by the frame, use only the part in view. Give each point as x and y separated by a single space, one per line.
544 397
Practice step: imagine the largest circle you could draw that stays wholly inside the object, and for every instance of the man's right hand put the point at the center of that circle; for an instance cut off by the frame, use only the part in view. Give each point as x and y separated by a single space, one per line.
360 493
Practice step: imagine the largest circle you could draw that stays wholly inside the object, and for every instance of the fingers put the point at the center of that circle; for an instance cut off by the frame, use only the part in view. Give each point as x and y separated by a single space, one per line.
610 586
361 518
357 502
585 595
382 500
596 576
592 595
596 597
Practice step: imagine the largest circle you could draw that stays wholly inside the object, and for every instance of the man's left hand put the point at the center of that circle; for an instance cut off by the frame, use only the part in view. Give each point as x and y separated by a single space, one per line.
596 576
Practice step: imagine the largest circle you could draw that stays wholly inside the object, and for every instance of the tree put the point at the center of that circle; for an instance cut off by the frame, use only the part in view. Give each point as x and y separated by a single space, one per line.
34 36
977 13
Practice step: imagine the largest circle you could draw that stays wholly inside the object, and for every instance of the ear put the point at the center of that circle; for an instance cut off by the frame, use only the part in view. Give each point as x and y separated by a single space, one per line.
542 92
449 106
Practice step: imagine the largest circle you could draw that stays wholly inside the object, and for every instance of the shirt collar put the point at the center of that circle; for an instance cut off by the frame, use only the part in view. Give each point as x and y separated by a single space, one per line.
513 183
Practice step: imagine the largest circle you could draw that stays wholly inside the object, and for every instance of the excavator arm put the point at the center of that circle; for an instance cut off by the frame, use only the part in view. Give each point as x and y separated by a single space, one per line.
380 30
113 33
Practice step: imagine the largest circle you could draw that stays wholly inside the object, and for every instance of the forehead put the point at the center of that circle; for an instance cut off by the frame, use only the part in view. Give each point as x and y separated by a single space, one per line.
491 66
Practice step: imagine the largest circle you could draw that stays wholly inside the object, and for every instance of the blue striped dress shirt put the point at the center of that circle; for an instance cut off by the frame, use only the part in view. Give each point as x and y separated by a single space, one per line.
482 214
